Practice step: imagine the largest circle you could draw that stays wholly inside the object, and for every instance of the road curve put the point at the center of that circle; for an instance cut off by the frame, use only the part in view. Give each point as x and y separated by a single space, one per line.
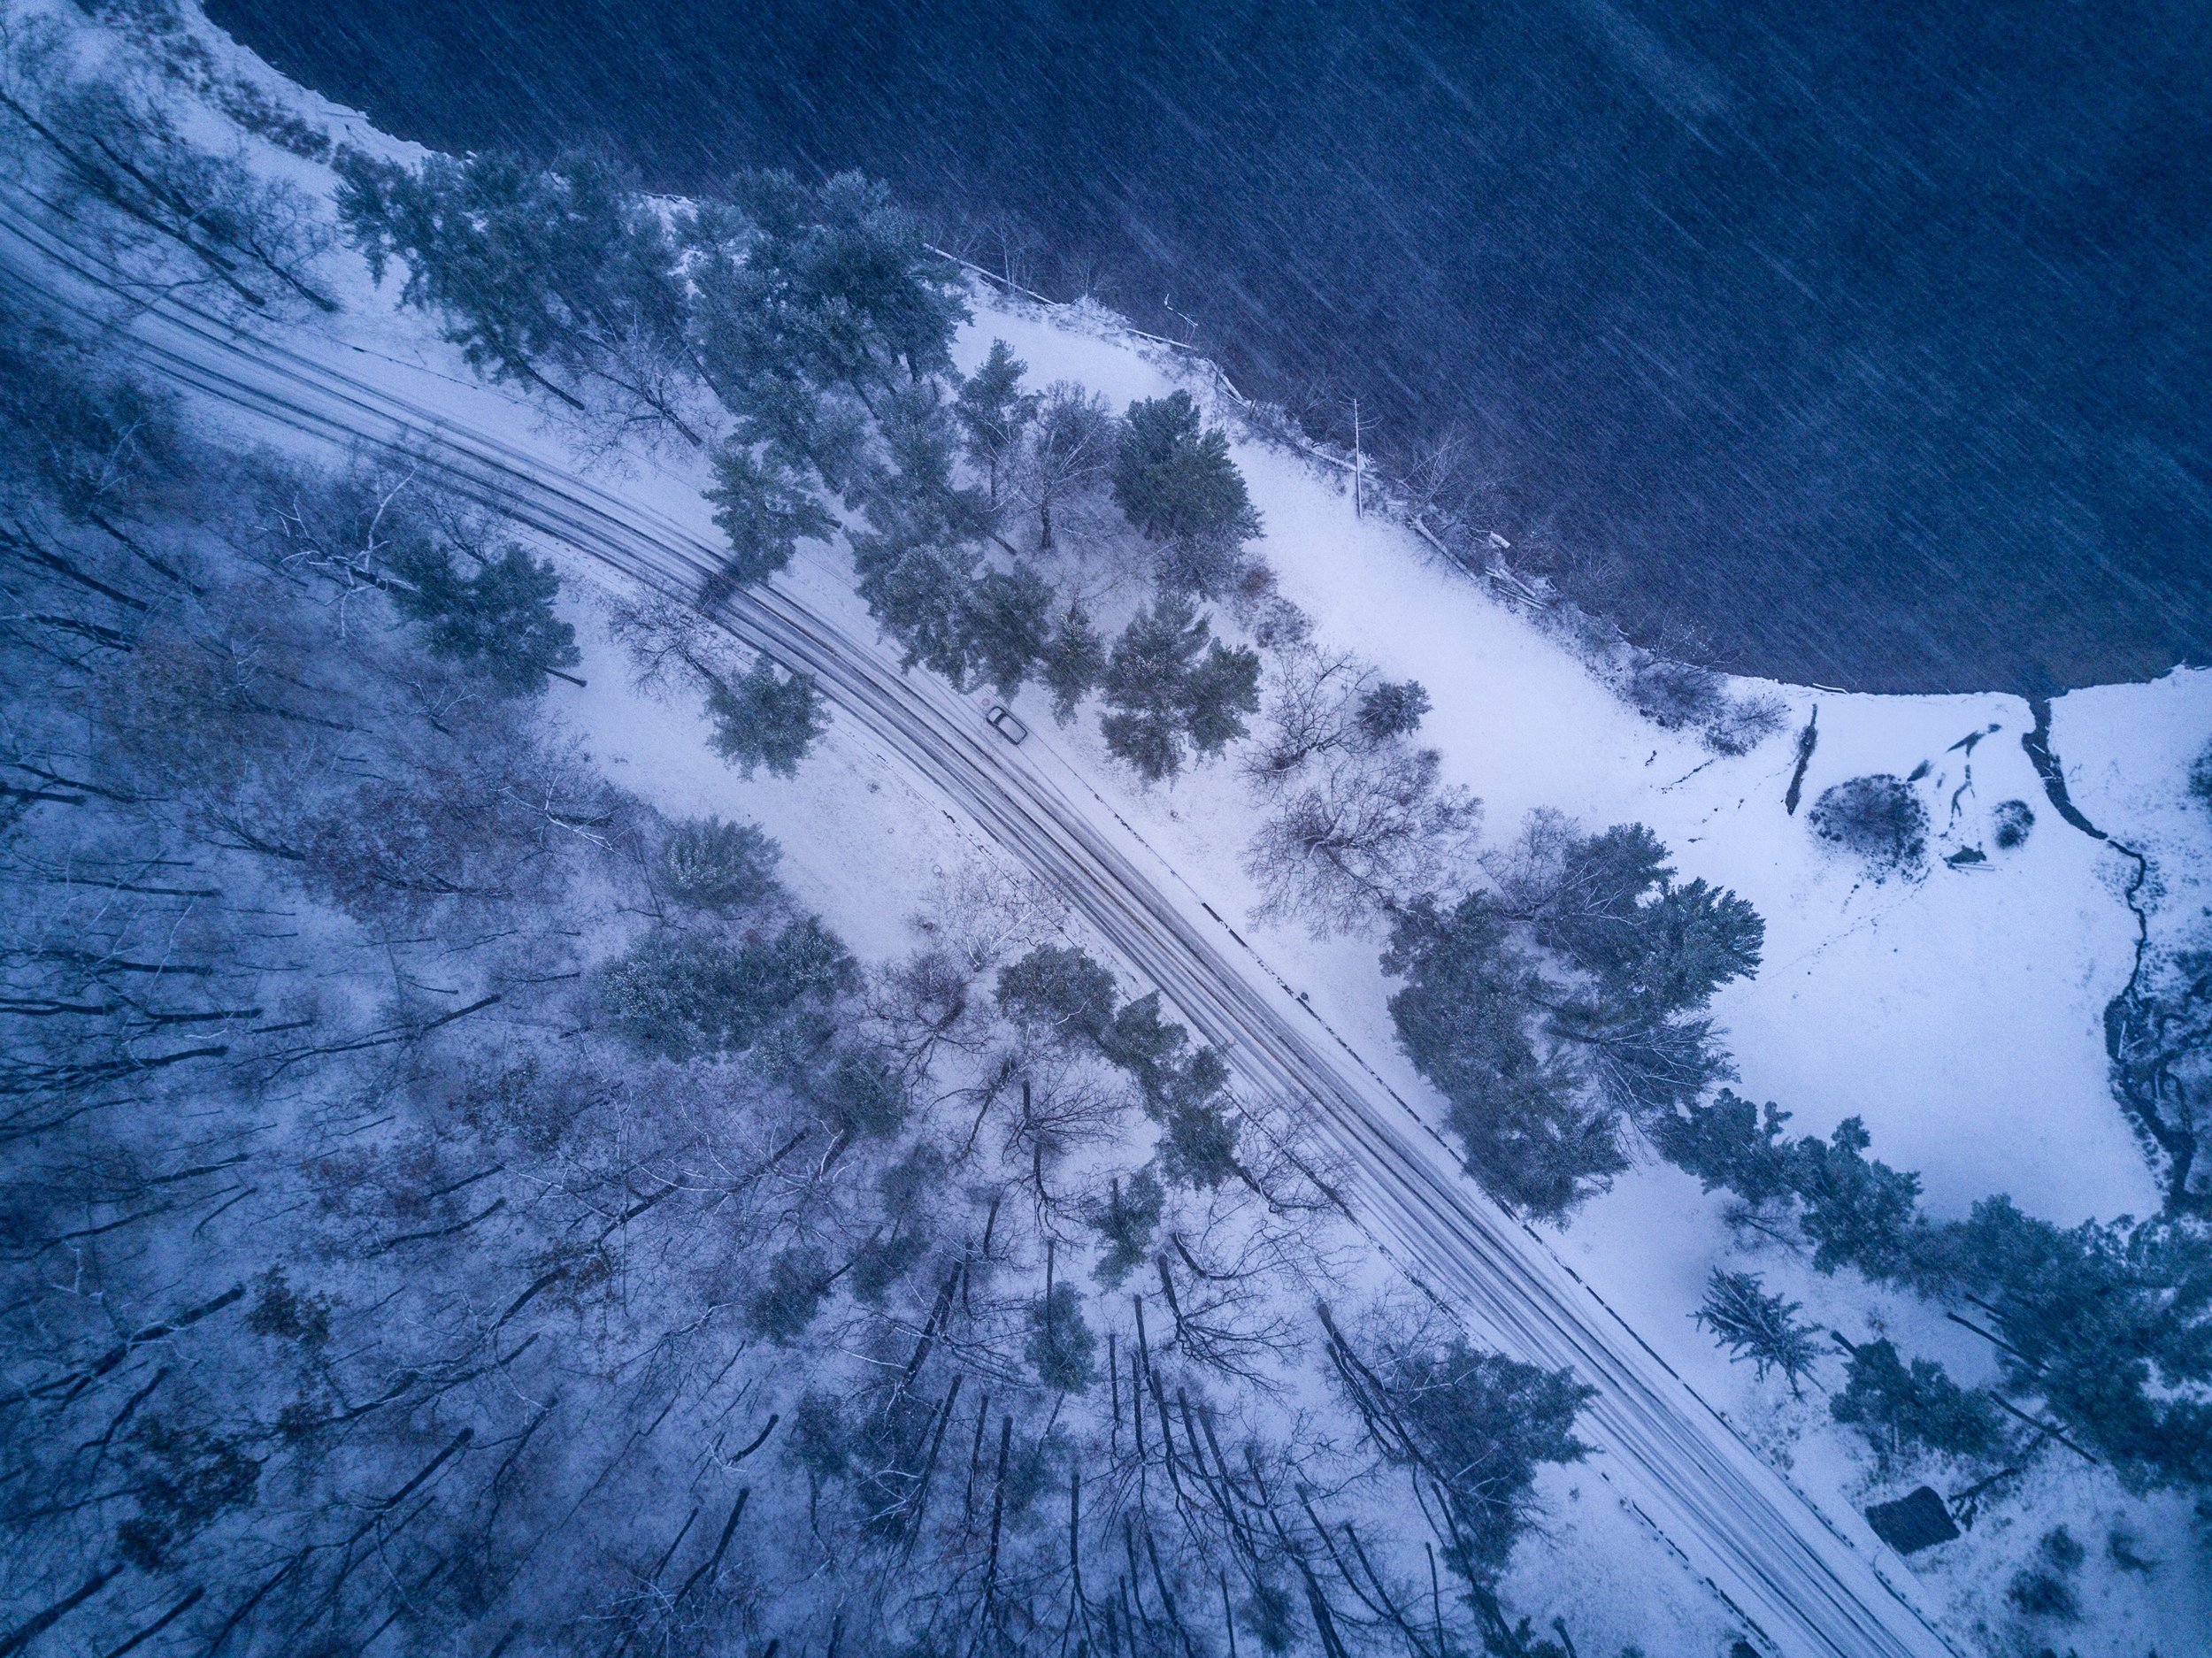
1800 1586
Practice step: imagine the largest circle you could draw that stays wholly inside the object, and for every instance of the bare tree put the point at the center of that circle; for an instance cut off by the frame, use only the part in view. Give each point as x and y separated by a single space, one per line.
1070 457
1374 831
1312 711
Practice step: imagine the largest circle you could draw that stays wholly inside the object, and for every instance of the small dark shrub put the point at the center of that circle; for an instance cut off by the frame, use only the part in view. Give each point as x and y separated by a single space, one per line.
1877 819
2062 1550
2014 818
2042 1594
2201 778
1674 695
1743 723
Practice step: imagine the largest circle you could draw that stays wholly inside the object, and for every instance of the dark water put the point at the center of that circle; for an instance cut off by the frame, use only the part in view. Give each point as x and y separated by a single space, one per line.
1866 343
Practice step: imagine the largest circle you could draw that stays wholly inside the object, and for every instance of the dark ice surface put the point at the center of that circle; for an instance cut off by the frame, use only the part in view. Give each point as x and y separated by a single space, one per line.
1864 343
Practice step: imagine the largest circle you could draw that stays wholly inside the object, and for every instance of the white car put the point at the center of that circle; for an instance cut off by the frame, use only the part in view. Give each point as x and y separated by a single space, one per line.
1002 717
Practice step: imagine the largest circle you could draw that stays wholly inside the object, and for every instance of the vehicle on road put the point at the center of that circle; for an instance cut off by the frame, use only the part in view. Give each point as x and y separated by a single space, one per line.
1002 717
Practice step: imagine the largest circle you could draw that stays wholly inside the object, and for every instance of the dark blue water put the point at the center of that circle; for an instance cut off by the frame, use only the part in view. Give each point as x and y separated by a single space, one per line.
1867 344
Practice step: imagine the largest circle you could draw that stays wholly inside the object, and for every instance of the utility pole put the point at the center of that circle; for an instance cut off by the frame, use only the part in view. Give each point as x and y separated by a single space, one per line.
1358 507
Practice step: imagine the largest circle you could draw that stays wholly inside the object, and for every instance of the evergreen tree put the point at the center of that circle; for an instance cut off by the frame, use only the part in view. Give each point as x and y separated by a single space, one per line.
994 412
1752 1324
1175 481
1467 1019
1733 1145
1896 1405
1126 1222
1074 661
860 1093
2111 1324
1062 1349
1610 905
766 718
918 563
678 994
1223 687
835 287
1199 1149
722 867
1172 686
766 511
1858 1211
1143 1043
1391 710
1479 1424
560 277
498 621
788 1300
1073 450
1008 627
1060 990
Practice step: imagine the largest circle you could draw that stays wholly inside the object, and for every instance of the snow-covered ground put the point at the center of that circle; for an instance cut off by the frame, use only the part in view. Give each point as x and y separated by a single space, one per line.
1959 1012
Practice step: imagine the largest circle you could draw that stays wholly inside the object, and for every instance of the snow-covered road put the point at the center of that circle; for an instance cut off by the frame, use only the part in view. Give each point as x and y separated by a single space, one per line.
1798 1583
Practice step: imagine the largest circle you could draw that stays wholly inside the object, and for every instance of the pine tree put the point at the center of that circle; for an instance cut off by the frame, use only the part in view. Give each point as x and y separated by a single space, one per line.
1468 1018
1199 1149
1896 1406
1126 1222
1858 1211
498 621
1059 990
1143 1043
1008 627
1391 708
1610 905
835 287
1172 475
560 277
1172 686
994 412
1223 687
1479 1424
766 718
1062 1349
1074 661
1175 481
1753 1324
720 867
1732 1145
765 511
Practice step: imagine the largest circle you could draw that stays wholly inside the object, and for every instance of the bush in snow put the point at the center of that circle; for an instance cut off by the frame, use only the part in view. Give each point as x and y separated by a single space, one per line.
1876 819
2201 778
2011 823
2045 1589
